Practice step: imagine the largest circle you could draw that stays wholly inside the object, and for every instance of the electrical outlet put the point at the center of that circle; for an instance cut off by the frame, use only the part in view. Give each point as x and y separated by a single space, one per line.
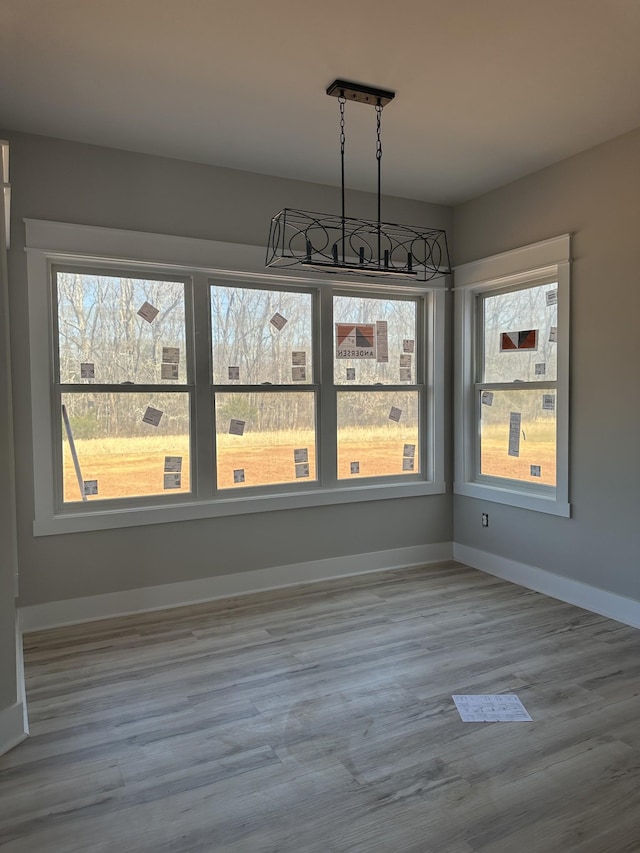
485 519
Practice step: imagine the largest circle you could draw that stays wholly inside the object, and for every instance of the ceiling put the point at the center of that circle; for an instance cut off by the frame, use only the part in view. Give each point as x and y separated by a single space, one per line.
487 90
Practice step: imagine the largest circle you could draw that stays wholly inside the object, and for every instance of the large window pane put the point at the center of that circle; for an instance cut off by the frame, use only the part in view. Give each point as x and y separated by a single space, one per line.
260 336
120 454
374 340
265 438
518 435
115 329
377 433
520 335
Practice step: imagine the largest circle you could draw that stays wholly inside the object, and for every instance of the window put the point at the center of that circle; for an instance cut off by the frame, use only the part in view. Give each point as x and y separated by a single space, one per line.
176 379
512 381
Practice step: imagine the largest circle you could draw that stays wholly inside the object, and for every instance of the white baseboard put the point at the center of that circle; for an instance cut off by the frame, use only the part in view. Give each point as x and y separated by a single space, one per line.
618 607
54 614
12 726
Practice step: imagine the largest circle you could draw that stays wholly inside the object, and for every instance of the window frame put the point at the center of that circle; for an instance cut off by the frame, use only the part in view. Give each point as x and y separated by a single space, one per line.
203 262
537 264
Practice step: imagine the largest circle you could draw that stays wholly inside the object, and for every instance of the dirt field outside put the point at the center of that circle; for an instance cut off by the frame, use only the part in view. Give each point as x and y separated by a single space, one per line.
132 467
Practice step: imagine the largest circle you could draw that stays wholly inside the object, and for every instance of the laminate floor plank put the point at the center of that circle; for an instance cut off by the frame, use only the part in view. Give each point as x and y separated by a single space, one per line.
319 719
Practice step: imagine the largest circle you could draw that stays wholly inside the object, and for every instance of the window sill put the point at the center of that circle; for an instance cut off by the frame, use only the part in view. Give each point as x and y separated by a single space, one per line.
106 519
512 497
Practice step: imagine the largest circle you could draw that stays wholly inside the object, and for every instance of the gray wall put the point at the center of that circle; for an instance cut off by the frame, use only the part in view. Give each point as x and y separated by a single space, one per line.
71 182
596 197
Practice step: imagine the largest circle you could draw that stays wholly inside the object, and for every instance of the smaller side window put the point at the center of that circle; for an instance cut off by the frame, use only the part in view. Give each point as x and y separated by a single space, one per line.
512 378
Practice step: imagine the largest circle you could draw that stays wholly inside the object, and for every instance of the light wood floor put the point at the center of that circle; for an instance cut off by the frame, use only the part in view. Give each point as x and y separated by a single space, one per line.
320 719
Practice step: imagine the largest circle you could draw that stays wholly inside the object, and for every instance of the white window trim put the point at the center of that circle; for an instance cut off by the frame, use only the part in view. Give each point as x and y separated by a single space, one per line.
526 265
50 243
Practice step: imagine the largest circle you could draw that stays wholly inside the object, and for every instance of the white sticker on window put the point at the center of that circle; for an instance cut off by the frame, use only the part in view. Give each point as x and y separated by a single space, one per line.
409 450
301 454
87 370
299 358
152 416
553 335
382 342
540 369
278 321
395 414
351 374
552 297
405 374
171 355
173 464
486 398
405 360
172 481
170 371
515 420
407 463
408 345
549 402
90 487
236 427
238 475
355 467
535 470
299 374
234 372
148 312
302 469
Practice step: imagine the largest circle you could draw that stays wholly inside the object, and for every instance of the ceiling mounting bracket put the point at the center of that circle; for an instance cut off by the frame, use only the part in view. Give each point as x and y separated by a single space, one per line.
360 93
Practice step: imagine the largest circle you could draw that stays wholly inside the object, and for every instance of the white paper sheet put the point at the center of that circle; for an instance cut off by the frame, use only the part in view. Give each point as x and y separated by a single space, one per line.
302 469
90 487
553 335
408 463
405 374
301 454
299 358
552 297
355 467
236 427
409 450
515 420
148 312
491 708
487 398
408 345
382 342
238 475
351 374
234 372
171 355
549 402
152 416
87 370
298 374
172 481
173 464
405 360
278 321
169 371
535 471
540 369
395 414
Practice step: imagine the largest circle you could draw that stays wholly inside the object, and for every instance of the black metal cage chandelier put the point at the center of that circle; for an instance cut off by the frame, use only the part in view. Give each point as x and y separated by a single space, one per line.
341 244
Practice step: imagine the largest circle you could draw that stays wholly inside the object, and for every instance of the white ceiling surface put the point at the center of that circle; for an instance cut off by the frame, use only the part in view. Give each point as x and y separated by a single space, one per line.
487 90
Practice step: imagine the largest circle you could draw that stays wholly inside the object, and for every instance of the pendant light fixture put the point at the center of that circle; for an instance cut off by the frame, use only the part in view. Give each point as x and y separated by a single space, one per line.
342 244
